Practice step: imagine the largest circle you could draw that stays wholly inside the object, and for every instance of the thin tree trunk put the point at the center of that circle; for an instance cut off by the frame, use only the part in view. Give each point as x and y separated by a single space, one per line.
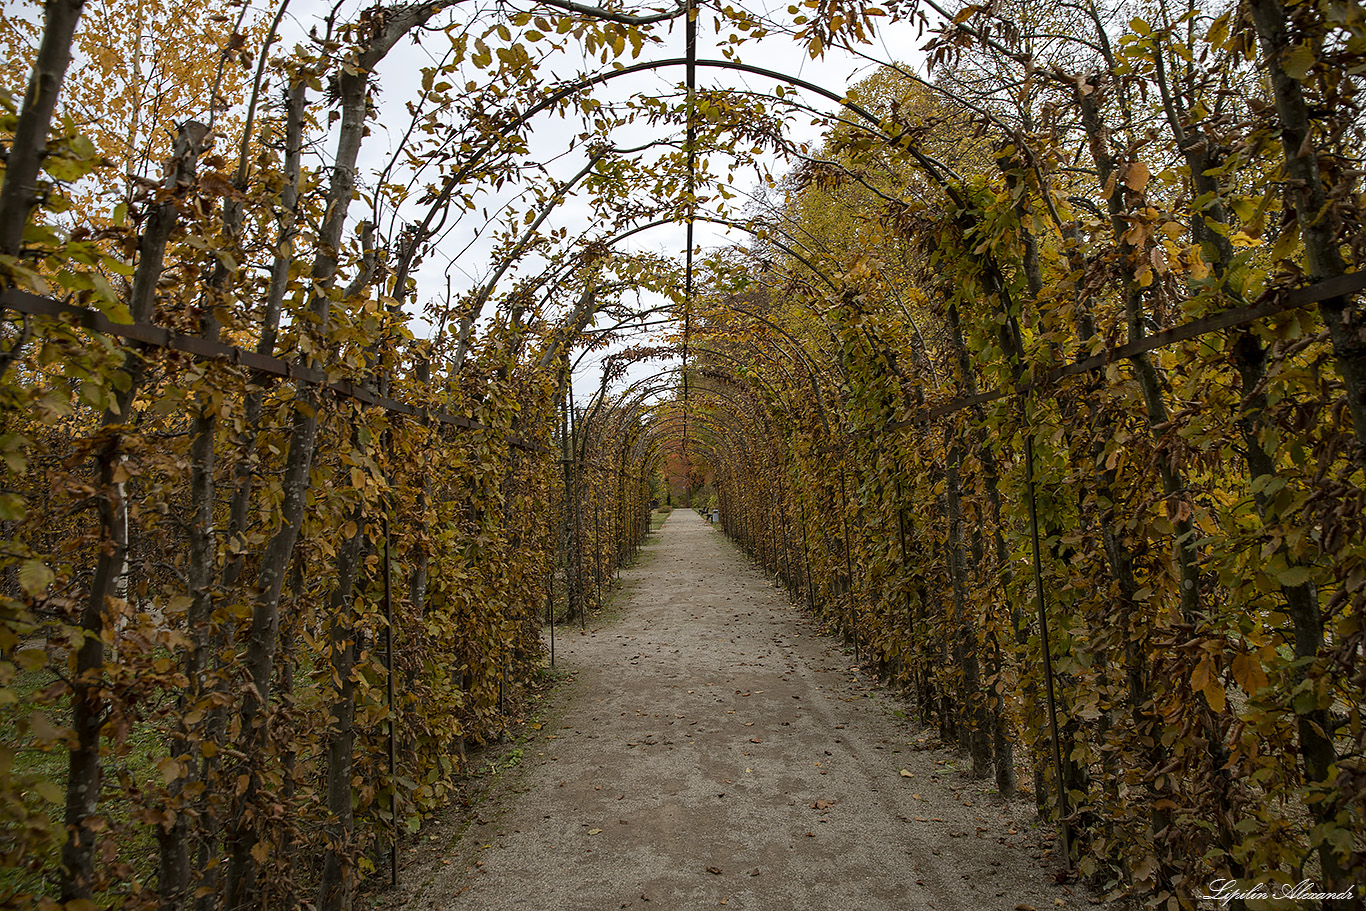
1318 226
263 638
337 889
19 192
84 776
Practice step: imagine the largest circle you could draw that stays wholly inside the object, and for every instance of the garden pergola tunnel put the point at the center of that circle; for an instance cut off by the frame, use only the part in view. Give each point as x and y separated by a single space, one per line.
1039 375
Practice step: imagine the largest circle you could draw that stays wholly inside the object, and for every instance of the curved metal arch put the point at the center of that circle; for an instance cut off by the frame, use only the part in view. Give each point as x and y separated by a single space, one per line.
440 204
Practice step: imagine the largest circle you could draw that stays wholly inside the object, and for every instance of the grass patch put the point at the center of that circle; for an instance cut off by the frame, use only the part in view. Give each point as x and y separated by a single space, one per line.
41 773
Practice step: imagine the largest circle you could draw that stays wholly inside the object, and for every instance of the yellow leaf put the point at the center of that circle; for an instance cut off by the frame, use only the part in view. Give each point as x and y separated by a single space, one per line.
1218 31
1199 268
50 791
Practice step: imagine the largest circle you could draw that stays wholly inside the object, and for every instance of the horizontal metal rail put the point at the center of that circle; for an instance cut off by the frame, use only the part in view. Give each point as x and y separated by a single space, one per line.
161 337
1271 303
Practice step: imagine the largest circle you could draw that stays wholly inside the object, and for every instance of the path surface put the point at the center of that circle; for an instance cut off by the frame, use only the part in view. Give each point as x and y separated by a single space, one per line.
714 750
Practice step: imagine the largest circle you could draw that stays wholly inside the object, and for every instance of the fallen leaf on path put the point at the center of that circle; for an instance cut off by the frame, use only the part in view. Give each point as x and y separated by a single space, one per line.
755 740
907 774
810 834
823 804
594 831
715 871
754 872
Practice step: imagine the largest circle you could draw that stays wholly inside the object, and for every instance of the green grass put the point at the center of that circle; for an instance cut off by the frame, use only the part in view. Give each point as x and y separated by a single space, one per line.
42 776
658 516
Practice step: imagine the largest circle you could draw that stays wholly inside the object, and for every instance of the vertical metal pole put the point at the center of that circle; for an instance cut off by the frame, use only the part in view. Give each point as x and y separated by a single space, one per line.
393 716
1063 811
848 562
550 611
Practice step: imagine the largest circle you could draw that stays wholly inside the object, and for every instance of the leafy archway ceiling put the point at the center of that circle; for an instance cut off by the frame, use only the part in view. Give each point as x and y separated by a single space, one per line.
581 164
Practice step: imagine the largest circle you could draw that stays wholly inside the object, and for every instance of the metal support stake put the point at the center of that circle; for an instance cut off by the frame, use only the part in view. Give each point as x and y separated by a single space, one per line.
1063 811
393 714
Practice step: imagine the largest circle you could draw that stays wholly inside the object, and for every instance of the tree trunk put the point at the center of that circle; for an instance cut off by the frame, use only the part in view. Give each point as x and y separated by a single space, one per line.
19 192
1318 226
339 879
84 776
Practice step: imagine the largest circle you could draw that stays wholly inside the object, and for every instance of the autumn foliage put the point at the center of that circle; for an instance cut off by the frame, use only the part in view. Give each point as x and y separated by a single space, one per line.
271 570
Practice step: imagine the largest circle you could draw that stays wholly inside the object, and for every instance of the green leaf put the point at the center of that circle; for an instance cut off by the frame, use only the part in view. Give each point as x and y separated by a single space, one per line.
49 791
1299 61
11 507
30 659
1294 576
34 577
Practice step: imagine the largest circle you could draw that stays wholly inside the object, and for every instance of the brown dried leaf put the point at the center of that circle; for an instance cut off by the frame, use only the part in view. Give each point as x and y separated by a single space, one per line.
1137 176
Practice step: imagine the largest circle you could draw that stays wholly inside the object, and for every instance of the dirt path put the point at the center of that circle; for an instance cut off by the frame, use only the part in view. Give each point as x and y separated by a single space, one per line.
713 749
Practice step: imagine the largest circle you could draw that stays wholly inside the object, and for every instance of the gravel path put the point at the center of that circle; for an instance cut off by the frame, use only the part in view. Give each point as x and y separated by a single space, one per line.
713 749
